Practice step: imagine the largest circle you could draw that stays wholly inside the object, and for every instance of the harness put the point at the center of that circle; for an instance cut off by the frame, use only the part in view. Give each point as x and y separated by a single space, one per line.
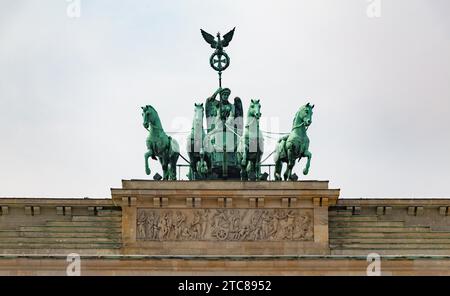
168 137
293 128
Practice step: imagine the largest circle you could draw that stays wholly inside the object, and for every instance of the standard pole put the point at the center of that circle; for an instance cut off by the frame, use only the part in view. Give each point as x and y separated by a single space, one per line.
224 159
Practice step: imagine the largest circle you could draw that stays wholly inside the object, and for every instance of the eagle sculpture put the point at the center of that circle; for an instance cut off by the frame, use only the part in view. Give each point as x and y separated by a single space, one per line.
220 43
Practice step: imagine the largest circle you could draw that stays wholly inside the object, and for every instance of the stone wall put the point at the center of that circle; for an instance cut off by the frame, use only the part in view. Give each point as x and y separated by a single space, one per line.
59 226
390 226
151 227
224 265
225 218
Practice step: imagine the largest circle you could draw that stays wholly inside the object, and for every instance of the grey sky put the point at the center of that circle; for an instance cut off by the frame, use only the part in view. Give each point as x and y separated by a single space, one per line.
70 89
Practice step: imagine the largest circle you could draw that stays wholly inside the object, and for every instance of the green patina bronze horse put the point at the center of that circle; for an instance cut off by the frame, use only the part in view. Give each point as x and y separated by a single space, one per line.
199 161
295 145
160 146
251 145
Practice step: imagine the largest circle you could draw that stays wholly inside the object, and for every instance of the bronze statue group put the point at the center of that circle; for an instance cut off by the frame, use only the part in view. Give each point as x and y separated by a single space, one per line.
226 149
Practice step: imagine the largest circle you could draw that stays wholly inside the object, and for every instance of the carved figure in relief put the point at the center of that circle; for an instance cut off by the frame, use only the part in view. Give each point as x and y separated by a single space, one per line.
199 224
235 225
196 226
244 232
153 223
141 224
288 231
165 226
305 230
220 225
265 224
255 226
179 225
224 224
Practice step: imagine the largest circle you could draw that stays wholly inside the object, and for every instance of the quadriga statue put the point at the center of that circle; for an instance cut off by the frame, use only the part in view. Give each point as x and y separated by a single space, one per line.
160 146
200 163
295 145
251 145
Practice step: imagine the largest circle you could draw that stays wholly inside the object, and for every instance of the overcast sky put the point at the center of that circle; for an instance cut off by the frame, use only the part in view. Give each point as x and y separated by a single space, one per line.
71 88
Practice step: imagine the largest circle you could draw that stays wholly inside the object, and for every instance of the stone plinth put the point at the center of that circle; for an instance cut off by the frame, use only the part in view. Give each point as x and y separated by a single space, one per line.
224 217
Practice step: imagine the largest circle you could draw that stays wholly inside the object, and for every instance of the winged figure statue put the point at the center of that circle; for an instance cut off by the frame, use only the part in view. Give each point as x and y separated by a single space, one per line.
223 111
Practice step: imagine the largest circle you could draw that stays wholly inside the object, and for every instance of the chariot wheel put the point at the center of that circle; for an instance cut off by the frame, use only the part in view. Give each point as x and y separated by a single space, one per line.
222 234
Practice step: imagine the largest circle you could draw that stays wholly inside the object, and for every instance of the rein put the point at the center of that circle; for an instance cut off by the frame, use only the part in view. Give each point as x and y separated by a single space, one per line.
153 126
300 125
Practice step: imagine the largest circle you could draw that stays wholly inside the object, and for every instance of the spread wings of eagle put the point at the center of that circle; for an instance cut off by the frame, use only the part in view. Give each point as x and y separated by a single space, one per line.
214 43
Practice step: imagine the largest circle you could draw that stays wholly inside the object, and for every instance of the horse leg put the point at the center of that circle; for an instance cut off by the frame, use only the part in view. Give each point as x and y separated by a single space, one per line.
243 172
189 175
308 162
208 164
255 170
240 161
166 172
173 165
173 171
290 165
170 174
278 167
191 155
193 168
148 154
286 173
244 159
165 168
250 170
258 170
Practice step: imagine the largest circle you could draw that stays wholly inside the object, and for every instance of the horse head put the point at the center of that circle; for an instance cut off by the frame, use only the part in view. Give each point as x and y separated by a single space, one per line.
255 109
198 112
304 116
150 116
